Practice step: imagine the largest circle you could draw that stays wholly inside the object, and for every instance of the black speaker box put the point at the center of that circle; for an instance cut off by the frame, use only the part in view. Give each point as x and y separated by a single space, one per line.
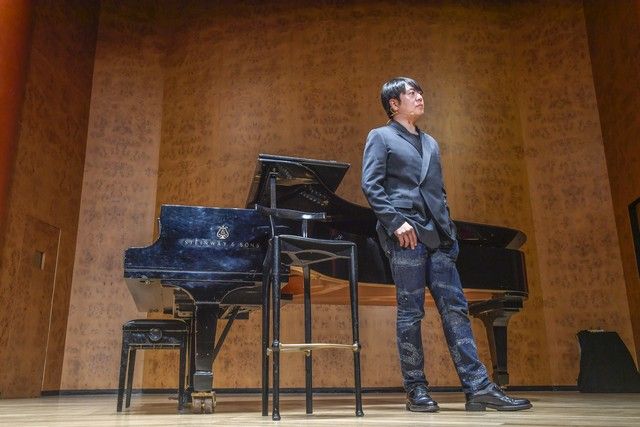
606 366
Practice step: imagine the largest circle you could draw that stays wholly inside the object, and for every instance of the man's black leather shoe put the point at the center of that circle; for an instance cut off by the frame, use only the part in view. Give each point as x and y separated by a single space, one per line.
493 397
418 400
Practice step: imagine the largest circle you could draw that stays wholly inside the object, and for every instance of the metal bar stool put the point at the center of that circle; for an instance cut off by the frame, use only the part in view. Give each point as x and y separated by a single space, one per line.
287 250
151 334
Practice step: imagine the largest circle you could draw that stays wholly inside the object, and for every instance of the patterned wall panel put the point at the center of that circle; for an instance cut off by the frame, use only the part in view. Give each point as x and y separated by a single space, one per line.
614 29
46 188
487 176
580 267
118 193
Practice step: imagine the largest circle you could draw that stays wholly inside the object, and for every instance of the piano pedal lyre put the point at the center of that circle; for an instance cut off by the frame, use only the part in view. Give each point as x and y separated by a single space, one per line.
203 402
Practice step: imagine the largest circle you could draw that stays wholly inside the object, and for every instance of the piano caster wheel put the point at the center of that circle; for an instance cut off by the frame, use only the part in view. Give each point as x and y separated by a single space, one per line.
196 405
203 403
208 405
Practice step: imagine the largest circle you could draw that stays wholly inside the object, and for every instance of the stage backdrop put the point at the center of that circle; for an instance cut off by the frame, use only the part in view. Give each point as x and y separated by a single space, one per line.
185 96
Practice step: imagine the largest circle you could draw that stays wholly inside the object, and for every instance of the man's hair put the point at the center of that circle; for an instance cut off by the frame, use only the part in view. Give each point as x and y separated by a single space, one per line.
392 90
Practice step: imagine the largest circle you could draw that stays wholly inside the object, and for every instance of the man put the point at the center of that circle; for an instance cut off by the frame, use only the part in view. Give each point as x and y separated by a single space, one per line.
402 180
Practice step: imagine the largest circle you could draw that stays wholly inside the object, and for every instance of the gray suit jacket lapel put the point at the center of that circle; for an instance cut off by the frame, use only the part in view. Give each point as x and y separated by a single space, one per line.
426 156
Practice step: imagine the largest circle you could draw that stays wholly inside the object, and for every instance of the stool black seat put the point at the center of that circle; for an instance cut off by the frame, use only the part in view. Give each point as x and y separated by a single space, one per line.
286 250
151 334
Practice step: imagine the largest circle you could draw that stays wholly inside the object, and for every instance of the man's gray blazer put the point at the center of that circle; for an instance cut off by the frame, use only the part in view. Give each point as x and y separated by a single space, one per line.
401 185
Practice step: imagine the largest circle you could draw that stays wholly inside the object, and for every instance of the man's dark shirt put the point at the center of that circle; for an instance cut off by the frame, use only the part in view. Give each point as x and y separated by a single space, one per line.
412 137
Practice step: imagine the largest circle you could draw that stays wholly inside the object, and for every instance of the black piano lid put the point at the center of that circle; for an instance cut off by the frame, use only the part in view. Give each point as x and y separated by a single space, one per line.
321 179
190 245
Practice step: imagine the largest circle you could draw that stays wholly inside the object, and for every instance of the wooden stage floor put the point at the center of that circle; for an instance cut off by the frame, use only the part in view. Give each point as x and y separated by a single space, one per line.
550 409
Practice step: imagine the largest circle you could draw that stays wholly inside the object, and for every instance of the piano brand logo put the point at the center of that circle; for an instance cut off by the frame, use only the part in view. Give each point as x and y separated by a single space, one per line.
219 235
223 232
216 243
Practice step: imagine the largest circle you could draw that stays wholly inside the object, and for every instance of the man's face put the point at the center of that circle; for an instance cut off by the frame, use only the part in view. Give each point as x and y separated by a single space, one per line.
411 103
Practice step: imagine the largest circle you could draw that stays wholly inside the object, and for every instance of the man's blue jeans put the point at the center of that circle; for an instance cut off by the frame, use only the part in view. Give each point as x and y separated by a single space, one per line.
412 269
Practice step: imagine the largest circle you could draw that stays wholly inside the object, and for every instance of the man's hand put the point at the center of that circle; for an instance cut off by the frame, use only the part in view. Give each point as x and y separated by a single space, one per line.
406 236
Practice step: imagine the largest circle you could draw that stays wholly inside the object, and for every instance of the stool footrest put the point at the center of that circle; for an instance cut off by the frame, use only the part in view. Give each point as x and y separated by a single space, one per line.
306 347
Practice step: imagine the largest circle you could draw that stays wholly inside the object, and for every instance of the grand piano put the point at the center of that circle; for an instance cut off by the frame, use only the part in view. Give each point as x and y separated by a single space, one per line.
206 264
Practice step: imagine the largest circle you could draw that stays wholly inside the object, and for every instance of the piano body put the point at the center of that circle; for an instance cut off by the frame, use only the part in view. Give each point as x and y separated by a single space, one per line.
206 263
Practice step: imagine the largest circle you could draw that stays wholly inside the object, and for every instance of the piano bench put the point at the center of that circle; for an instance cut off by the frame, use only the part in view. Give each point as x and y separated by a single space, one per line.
151 334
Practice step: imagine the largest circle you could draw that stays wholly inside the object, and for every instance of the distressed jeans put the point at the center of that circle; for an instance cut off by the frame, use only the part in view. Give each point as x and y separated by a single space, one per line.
412 269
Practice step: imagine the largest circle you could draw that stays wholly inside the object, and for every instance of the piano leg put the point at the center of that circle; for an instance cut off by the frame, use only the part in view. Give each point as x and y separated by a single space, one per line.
275 346
206 318
495 315
192 361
